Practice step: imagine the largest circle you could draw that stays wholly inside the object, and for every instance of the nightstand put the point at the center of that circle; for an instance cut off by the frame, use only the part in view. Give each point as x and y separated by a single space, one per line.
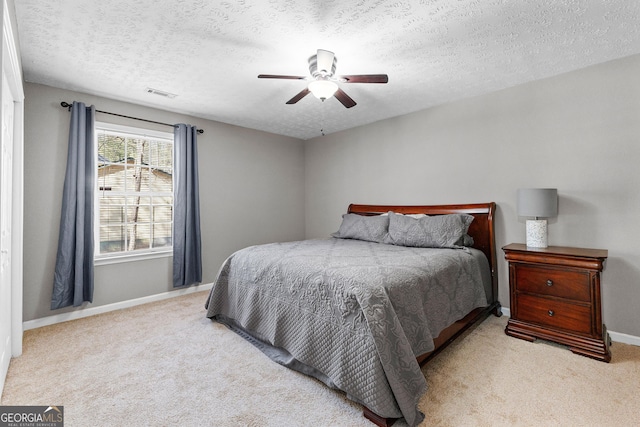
555 296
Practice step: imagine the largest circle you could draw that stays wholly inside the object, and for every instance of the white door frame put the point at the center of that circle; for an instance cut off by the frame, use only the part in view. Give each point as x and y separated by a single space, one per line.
13 73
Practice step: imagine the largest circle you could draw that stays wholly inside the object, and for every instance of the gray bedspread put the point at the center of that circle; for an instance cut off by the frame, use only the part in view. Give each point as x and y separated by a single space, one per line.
353 313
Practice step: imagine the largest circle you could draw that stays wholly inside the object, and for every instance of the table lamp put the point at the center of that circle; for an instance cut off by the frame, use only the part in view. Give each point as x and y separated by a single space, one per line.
537 203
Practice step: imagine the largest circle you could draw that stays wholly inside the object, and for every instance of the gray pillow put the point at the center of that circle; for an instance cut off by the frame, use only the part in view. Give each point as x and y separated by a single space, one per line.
360 227
439 231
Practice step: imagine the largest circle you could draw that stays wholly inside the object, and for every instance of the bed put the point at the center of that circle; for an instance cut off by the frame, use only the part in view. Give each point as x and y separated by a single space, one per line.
362 310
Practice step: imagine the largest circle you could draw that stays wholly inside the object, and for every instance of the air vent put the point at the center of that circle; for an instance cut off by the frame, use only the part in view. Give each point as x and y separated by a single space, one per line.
161 93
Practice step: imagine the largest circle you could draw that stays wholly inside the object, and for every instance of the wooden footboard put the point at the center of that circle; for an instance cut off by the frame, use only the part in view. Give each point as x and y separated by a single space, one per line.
482 231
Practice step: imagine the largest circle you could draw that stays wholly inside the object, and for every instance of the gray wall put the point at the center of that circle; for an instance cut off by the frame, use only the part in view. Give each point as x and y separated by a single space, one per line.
251 192
578 132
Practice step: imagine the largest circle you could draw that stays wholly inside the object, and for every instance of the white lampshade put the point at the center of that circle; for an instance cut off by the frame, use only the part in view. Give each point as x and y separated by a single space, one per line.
537 203
323 89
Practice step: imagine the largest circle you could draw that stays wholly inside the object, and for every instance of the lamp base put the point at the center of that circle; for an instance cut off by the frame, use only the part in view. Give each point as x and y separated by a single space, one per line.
537 233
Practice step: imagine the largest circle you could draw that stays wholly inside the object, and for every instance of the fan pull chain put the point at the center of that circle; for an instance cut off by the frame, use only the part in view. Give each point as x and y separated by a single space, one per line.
322 114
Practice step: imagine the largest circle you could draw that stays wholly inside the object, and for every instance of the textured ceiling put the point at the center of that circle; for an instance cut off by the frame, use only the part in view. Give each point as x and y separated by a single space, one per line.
209 53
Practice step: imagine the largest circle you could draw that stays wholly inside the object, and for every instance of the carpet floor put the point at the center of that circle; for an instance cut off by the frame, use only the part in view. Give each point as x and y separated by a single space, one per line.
166 364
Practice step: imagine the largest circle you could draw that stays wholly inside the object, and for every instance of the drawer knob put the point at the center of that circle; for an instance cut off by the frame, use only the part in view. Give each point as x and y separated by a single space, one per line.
551 313
549 282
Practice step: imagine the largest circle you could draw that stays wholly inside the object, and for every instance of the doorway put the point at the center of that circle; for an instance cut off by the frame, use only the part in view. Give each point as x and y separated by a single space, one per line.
11 197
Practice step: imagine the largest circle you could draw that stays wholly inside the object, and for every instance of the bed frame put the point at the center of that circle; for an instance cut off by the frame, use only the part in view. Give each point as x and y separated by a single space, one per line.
483 232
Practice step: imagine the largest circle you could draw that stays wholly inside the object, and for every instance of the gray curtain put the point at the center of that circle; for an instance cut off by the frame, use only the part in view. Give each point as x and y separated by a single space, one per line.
73 278
187 258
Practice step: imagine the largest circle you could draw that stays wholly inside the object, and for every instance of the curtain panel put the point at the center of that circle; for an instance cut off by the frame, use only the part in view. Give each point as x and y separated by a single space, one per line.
187 257
73 278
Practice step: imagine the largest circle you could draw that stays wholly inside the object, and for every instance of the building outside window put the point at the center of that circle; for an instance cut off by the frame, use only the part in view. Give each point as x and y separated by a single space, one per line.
134 195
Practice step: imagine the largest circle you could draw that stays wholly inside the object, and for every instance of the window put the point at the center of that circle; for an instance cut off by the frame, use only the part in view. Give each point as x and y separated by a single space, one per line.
134 195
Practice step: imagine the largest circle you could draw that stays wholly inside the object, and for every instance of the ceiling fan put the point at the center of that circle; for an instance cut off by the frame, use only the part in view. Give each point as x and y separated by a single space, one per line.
323 83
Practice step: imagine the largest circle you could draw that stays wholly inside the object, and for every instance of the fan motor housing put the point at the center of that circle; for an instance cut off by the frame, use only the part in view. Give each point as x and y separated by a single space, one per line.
313 67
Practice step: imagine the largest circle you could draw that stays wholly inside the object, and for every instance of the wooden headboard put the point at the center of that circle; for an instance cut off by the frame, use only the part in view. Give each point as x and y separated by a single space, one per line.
481 229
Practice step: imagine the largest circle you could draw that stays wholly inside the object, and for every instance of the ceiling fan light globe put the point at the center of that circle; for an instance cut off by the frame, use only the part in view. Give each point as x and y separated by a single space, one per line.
323 89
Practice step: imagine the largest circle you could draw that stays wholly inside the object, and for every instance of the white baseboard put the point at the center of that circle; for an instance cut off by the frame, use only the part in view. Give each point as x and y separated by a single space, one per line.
91 311
624 338
615 336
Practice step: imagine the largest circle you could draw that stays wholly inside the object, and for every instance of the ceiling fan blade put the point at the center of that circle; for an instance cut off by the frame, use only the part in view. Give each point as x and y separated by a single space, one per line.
344 98
366 78
276 76
324 61
304 92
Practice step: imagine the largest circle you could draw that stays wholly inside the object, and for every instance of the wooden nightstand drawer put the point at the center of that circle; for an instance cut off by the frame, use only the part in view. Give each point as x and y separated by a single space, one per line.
572 285
554 313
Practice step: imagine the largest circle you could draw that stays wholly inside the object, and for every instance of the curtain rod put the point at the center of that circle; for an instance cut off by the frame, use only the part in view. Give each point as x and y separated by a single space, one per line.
68 107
